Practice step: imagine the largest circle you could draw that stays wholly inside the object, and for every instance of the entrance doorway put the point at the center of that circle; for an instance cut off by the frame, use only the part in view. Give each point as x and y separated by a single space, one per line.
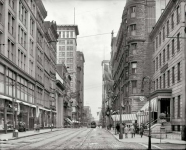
165 107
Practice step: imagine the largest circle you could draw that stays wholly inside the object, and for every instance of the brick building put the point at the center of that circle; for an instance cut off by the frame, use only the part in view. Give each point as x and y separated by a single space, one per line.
131 57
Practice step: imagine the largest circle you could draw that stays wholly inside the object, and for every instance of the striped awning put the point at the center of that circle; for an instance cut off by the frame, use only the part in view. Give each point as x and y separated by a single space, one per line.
154 106
68 120
125 117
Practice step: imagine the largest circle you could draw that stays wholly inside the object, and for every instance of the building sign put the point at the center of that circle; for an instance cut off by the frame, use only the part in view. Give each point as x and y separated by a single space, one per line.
164 68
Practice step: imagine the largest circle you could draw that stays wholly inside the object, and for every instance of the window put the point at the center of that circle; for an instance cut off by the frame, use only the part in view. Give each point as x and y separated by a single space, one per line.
61 42
156 43
67 34
163 33
173 76
156 84
160 82
160 38
172 21
134 48
133 29
134 87
154 47
179 104
178 71
71 34
168 78
164 80
22 13
156 63
172 47
11 23
154 67
134 67
133 11
173 107
31 48
59 34
168 53
178 14
178 42
10 50
163 56
61 48
167 27
63 34
1 11
160 59
32 26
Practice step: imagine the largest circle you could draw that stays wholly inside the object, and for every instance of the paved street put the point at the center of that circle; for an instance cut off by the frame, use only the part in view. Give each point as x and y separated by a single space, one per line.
83 138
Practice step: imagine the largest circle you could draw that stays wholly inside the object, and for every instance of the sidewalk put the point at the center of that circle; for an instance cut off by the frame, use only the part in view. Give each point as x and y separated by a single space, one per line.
8 136
144 139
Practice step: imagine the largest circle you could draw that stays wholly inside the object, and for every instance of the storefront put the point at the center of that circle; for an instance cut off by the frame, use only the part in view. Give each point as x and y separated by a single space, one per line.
128 119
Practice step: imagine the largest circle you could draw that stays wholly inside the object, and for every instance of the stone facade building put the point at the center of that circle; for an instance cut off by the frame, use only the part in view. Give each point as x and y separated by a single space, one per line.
80 84
27 65
131 59
168 59
66 53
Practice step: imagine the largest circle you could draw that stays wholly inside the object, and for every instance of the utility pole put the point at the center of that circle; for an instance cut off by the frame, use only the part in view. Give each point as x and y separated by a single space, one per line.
120 108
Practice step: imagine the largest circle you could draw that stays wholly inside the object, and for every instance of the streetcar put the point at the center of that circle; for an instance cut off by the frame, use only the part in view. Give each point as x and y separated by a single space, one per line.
93 124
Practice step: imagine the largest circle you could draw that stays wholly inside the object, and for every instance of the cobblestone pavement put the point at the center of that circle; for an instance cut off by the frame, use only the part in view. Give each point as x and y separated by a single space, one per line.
83 138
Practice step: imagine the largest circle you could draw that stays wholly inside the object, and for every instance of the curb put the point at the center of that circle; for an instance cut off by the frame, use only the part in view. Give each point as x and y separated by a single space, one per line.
26 136
165 142
113 136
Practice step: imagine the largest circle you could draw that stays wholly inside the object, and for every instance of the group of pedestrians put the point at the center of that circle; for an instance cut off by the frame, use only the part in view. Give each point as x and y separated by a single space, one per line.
130 130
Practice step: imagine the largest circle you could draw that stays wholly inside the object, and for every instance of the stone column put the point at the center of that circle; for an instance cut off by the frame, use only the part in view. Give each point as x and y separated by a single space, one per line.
159 107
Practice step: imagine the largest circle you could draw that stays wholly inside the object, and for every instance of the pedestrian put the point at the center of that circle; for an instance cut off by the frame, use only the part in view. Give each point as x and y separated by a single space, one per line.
132 131
117 127
141 131
126 130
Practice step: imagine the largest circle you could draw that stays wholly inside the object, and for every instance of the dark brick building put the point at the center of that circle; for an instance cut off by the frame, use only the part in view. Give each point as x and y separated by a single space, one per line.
132 54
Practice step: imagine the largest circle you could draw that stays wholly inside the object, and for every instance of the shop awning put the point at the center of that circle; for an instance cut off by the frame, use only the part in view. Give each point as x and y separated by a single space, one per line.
68 120
5 97
154 106
44 109
125 117
31 105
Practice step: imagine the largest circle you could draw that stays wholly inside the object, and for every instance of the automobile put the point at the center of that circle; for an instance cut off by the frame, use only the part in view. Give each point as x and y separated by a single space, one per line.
93 124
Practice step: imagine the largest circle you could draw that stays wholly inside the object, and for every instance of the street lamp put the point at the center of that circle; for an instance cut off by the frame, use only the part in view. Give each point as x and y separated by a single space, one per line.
142 89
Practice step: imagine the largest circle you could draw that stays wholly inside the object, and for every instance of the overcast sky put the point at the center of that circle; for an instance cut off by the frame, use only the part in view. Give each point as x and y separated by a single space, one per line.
93 17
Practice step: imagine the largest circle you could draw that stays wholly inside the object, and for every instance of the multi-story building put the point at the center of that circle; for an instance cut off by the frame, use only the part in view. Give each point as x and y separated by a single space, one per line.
168 59
27 62
66 53
87 116
105 101
130 59
80 84
67 105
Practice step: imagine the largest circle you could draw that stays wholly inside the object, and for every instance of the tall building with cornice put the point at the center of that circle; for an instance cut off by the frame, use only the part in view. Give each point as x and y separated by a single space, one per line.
66 53
27 65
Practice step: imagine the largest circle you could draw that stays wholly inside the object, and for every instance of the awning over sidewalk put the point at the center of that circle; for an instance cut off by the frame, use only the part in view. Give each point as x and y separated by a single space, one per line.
125 117
5 97
31 105
154 106
68 120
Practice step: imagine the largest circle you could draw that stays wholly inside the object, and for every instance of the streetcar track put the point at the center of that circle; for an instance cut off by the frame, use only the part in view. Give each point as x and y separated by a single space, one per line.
26 144
54 141
68 141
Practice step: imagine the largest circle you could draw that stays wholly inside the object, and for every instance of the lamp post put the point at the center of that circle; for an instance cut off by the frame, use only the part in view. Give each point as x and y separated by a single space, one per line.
149 88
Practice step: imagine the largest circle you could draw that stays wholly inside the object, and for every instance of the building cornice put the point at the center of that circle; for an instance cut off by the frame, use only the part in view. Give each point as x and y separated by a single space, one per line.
161 19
